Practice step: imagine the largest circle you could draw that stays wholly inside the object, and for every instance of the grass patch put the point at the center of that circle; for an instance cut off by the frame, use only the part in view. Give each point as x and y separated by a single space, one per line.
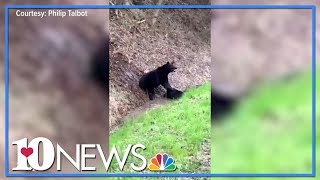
269 131
177 128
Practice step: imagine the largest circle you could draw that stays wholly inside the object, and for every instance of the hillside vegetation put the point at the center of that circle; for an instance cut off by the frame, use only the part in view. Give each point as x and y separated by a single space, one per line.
179 128
269 131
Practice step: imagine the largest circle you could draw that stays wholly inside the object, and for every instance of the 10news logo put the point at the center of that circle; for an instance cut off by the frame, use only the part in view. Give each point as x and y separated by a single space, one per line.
28 157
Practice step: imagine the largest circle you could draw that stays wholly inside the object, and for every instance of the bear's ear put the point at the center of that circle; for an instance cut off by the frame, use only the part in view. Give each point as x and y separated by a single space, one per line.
167 62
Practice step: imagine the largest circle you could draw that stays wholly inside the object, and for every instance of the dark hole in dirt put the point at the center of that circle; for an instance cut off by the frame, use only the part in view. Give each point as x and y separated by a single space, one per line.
221 105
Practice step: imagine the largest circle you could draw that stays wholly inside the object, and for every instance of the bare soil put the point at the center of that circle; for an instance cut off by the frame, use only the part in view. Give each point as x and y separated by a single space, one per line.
53 92
146 43
254 45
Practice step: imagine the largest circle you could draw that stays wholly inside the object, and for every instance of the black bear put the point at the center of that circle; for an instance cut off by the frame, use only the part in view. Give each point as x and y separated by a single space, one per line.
149 81
100 66
220 105
173 94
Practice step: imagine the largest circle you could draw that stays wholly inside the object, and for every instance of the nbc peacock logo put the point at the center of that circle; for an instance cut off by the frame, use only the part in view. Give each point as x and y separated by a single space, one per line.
162 162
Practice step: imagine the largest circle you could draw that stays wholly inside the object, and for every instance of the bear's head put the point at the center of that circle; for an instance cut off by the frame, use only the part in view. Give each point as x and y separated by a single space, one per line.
168 67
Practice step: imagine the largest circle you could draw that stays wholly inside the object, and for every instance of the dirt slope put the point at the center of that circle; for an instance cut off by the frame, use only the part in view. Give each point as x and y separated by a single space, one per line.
53 91
145 43
254 45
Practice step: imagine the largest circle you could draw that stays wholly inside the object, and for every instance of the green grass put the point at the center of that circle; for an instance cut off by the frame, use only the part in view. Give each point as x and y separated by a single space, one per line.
177 128
269 131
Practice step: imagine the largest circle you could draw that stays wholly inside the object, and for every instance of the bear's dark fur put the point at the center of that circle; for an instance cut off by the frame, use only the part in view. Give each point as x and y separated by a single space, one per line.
173 94
100 66
149 81
220 105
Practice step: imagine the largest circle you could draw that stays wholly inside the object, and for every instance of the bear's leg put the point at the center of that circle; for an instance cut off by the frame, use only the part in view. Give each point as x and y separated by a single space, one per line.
166 85
173 93
151 93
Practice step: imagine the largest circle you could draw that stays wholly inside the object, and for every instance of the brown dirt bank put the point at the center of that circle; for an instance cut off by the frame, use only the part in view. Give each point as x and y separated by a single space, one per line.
146 43
254 45
52 90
